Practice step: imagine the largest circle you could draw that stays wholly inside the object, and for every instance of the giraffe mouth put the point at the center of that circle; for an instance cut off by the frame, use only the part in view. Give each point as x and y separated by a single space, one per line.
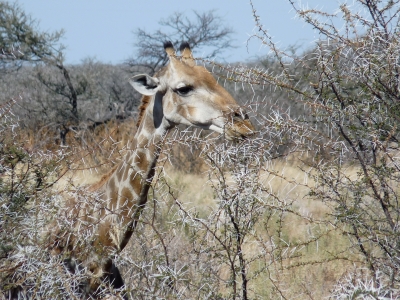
239 129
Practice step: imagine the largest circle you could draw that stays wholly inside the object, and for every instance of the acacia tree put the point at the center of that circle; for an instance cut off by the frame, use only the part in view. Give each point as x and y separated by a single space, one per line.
206 32
21 41
349 83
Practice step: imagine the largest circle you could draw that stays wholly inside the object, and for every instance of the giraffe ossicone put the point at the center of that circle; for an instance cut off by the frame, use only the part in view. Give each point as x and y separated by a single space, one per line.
180 93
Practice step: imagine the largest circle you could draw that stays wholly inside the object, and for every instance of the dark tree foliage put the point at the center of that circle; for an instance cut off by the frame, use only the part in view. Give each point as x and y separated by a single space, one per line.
21 41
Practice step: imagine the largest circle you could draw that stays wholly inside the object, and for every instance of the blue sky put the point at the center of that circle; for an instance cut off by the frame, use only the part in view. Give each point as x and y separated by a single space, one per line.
103 29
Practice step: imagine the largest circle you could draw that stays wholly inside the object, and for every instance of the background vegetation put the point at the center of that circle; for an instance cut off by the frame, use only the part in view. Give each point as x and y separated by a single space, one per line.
306 209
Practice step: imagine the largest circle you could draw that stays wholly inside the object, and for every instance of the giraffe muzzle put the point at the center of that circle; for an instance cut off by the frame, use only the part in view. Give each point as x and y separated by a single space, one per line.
239 126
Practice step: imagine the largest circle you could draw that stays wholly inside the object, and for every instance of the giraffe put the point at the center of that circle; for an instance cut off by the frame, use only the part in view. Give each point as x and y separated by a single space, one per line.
180 93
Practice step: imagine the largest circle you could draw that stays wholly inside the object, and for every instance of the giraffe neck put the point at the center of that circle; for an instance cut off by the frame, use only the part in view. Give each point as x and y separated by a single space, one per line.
126 190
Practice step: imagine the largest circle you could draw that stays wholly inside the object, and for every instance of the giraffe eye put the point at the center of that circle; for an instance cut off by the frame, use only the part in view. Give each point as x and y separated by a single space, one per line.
184 91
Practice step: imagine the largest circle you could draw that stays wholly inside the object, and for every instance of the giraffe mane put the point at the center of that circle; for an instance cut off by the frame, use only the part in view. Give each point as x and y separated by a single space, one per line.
142 108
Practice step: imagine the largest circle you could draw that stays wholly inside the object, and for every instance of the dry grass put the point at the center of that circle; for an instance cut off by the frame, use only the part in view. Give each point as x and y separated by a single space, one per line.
317 265
193 190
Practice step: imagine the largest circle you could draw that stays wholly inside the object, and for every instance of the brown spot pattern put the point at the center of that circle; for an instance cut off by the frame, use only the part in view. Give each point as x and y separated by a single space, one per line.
104 238
141 160
126 195
136 182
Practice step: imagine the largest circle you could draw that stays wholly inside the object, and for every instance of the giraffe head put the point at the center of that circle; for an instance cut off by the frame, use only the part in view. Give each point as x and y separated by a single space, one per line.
188 94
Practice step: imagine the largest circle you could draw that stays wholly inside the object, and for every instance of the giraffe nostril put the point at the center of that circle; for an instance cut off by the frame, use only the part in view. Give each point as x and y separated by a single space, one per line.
241 115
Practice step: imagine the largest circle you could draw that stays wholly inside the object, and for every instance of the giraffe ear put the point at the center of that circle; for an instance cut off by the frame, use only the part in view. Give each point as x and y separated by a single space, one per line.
145 84
187 56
